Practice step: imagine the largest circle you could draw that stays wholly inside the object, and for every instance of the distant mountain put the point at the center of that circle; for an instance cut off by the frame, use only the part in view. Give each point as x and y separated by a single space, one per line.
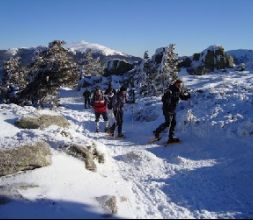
84 46
106 54
77 49
242 56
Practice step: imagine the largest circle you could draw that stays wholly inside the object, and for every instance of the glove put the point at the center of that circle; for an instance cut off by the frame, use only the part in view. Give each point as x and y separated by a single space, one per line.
187 95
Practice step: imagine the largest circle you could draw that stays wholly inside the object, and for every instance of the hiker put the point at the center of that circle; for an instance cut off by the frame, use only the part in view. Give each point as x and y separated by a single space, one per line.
110 89
109 94
170 100
118 102
87 95
99 105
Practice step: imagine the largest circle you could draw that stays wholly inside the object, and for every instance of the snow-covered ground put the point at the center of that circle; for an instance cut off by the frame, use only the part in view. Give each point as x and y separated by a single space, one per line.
208 175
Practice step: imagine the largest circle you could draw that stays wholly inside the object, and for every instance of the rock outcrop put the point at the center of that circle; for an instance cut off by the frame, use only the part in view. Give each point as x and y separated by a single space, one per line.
116 67
27 157
211 59
42 121
88 154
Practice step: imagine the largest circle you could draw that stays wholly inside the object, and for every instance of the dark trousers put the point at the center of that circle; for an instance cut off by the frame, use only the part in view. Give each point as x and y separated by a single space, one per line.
119 121
87 102
170 122
104 115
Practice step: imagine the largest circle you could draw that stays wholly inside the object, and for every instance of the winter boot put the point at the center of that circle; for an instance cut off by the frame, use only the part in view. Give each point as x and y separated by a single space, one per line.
121 135
157 135
97 127
107 130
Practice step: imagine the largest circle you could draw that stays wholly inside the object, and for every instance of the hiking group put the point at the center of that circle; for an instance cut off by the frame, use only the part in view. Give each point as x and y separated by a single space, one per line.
109 105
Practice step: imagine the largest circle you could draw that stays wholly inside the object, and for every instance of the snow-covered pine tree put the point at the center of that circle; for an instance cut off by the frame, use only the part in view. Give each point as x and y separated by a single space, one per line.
52 68
169 66
14 79
150 72
141 76
92 66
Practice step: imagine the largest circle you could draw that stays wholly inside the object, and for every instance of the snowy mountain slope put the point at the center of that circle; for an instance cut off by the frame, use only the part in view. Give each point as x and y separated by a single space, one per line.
84 46
242 56
208 175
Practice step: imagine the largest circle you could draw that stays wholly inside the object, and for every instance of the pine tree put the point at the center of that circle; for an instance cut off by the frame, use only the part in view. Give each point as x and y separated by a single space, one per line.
150 74
14 79
91 66
52 68
168 71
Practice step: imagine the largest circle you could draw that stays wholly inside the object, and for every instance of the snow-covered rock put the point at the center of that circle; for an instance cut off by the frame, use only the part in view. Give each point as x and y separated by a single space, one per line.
41 121
211 59
88 154
116 67
26 157
109 204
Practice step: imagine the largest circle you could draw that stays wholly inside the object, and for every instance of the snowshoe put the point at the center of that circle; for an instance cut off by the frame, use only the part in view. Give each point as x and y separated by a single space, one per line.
173 141
155 139
156 134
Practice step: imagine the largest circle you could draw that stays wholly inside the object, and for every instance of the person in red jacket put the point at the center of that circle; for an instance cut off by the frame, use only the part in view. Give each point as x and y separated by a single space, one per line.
100 108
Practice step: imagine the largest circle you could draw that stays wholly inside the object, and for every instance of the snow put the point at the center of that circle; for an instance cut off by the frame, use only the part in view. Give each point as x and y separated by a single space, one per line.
243 56
208 175
83 46
12 51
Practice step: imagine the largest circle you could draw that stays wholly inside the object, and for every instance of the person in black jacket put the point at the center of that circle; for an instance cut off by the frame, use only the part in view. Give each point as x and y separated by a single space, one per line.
110 89
119 99
87 96
170 101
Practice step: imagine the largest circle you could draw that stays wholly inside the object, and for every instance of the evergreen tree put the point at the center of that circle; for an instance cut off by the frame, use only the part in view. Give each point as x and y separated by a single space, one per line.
150 71
168 71
14 79
53 68
144 76
91 66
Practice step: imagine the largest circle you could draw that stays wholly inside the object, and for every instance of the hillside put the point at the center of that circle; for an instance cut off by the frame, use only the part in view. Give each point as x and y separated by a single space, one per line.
208 175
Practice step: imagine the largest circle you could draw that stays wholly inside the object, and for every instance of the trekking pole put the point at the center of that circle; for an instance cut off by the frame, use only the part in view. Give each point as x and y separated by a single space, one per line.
132 116
189 116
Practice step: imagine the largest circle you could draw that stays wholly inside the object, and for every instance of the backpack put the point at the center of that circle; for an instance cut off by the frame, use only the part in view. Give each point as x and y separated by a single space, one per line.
166 98
110 102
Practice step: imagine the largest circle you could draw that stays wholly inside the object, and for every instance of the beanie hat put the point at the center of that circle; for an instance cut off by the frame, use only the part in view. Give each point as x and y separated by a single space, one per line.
123 89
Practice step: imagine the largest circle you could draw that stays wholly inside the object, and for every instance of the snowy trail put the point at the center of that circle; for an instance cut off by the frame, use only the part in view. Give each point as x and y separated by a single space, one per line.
208 175
181 181
152 203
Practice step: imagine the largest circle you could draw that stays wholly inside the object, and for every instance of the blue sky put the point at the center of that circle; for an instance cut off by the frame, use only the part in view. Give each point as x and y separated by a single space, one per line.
131 26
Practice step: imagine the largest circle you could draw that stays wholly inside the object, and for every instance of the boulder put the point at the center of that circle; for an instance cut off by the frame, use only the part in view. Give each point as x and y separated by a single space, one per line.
116 67
109 204
26 157
88 154
185 62
213 58
42 121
